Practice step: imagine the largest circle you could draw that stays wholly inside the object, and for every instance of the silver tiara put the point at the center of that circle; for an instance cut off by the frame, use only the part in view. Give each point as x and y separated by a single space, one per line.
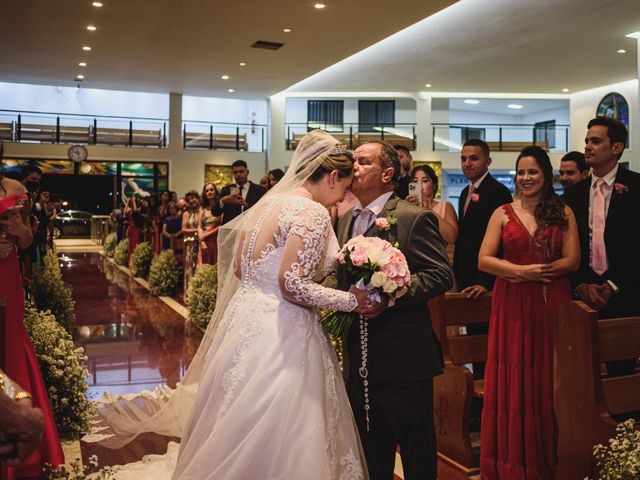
339 149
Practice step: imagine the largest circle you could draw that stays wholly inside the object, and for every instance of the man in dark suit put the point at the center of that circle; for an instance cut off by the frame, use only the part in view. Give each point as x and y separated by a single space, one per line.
403 354
573 169
406 163
237 197
606 207
477 202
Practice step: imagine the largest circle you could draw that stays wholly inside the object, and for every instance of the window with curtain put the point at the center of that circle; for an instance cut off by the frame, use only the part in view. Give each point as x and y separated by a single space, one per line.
375 114
546 132
327 115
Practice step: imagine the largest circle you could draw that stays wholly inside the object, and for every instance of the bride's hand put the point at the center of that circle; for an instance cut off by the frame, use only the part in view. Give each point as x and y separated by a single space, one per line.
366 306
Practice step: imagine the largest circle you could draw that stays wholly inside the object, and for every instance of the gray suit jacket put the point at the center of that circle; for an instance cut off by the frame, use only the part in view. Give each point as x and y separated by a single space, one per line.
402 345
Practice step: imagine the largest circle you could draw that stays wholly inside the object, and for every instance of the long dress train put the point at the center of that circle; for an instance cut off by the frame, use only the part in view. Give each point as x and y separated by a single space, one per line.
518 429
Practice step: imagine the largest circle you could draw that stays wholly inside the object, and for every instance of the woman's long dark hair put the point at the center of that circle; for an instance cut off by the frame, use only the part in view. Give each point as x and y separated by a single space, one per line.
550 210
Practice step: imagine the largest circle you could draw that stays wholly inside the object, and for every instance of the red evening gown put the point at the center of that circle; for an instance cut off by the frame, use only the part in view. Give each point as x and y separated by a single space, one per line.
133 234
22 366
518 430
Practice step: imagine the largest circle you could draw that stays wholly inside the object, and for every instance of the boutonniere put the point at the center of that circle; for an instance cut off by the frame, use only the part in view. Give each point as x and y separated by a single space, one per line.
385 223
475 197
620 187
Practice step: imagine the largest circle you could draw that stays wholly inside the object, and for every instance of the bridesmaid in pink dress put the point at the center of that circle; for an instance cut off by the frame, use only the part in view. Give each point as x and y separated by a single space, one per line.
539 240
21 362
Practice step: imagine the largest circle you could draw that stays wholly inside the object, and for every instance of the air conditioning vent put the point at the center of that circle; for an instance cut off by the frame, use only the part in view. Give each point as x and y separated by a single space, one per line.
267 45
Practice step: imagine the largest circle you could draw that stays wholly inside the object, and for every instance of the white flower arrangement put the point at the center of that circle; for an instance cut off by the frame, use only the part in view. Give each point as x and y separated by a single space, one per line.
76 471
164 274
202 294
620 460
64 374
121 253
110 244
141 260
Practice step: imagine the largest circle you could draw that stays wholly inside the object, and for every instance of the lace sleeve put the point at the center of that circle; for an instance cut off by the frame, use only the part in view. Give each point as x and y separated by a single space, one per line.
303 250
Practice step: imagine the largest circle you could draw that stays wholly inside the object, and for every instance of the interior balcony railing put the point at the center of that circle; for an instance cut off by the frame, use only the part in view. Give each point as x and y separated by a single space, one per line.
248 137
47 127
501 137
355 134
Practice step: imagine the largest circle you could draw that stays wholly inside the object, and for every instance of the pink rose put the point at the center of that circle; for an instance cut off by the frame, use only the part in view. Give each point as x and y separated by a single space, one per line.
475 197
358 257
620 187
382 223
390 270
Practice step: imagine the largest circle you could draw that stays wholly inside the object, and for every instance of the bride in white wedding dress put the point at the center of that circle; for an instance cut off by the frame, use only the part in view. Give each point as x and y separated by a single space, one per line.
270 401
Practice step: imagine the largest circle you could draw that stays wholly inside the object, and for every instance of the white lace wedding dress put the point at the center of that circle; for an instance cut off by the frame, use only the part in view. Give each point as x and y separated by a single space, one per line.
271 403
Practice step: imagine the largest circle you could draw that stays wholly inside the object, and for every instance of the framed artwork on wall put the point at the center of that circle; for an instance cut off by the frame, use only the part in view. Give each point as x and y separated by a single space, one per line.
219 175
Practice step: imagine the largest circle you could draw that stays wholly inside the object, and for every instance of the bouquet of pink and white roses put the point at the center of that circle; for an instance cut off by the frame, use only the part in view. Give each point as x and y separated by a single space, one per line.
374 265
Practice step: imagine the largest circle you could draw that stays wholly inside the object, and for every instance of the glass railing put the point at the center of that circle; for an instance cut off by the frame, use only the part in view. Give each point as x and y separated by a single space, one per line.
501 137
47 127
223 136
355 134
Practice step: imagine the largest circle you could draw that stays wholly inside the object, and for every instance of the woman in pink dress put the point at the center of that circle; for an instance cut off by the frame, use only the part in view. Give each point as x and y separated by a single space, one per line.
539 240
21 363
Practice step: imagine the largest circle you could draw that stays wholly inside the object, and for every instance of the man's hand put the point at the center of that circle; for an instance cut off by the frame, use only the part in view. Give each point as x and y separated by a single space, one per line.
474 291
366 307
233 200
594 295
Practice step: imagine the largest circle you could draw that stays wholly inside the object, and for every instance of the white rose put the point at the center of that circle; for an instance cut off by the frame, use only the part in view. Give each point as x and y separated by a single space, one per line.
390 286
378 279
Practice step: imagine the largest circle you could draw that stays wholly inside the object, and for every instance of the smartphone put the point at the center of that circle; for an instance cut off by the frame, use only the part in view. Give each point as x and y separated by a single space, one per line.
414 189
234 191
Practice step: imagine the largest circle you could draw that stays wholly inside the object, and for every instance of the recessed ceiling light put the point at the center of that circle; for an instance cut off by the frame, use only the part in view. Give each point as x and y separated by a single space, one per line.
514 106
86 48
225 77
565 90
91 28
428 85
79 77
286 30
82 64
243 64
622 50
231 90
97 4
319 6
472 101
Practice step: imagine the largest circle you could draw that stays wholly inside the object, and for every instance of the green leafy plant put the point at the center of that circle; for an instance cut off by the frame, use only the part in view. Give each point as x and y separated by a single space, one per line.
52 293
164 274
110 244
620 460
63 371
202 295
121 253
76 471
141 260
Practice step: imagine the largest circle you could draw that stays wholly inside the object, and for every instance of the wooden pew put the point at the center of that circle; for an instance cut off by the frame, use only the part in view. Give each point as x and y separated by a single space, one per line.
353 142
48 133
218 141
6 131
515 146
584 400
120 137
455 388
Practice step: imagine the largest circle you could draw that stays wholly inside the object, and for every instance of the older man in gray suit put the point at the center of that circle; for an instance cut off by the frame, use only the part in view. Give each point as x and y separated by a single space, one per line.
403 354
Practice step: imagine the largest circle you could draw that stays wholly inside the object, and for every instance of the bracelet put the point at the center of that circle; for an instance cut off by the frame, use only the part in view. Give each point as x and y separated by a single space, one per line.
6 385
21 395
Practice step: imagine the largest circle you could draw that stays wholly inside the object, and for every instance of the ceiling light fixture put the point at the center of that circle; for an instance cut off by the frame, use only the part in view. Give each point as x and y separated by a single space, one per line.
243 64
472 101
514 106
565 90
225 77
428 85
319 6
287 30
86 48
622 50
231 90
82 64
97 4
633 35
91 28
80 77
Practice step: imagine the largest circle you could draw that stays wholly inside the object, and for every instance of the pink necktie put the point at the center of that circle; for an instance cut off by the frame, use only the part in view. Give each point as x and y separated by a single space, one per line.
598 248
466 202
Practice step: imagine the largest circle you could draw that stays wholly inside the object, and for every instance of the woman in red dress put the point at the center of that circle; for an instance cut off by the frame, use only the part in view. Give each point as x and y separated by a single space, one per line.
21 363
539 239
132 212
210 219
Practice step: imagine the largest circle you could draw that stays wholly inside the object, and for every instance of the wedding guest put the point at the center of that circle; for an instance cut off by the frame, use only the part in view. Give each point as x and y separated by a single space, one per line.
241 195
190 223
275 176
182 204
606 207
31 177
406 164
210 219
135 223
165 198
573 169
538 236
426 177
264 182
171 228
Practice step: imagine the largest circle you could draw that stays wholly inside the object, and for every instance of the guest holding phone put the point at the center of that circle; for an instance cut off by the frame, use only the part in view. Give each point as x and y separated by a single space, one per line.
422 190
